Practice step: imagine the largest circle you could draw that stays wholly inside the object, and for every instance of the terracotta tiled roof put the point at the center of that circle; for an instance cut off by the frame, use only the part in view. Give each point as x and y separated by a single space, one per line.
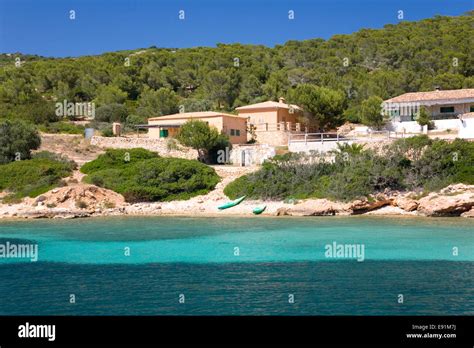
199 114
452 94
268 105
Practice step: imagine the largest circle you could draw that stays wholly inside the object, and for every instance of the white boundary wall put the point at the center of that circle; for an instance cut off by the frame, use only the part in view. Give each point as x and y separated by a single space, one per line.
251 155
466 131
414 127
319 146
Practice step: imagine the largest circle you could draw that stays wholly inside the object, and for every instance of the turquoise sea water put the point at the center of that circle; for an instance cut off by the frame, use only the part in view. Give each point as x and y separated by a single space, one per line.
239 266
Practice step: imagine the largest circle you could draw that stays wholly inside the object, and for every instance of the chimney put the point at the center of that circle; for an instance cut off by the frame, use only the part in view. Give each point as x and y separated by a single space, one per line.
281 100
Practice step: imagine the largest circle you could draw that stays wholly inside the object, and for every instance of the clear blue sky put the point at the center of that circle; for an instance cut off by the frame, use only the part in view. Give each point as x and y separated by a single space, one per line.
43 26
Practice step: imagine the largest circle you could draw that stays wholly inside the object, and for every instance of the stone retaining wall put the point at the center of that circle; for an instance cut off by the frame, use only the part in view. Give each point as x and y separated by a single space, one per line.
318 146
273 138
157 145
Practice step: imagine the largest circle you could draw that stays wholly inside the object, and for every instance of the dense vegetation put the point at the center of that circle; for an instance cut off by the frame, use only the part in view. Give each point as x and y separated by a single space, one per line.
34 176
418 164
63 127
117 158
17 139
347 70
140 175
205 139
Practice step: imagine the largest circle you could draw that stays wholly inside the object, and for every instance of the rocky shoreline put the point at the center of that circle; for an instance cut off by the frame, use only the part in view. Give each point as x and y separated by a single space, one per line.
79 200
454 200
62 203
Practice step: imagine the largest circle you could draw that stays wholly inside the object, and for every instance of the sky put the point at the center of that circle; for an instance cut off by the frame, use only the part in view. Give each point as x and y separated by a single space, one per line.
44 27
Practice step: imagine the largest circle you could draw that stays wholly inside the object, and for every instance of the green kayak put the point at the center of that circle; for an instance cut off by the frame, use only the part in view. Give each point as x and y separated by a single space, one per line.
259 210
232 203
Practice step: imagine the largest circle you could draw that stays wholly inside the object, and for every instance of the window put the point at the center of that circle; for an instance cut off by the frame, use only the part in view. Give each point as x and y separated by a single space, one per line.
446 109
394 112
232 132
237 132
471 109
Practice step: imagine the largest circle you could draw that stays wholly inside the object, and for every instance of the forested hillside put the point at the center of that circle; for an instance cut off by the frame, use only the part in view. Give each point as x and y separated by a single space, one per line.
409 56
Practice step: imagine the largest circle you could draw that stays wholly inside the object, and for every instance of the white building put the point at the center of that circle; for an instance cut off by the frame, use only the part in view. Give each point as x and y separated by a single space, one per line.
466 129
444 108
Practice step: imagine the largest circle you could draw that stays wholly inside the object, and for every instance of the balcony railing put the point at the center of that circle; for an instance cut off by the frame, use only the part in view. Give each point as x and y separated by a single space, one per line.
443 116
280 126
373 136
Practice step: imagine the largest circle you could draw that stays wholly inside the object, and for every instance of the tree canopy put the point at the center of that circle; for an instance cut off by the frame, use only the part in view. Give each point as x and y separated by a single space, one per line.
17 139
323 106
371 112
406 57
202 137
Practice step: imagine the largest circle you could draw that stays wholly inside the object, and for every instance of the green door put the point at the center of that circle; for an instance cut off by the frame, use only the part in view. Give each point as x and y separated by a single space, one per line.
163 133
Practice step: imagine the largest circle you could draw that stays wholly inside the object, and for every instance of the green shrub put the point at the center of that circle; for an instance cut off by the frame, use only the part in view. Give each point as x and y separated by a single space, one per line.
290 175
111 113
133 120
371 112
417 164
108 132
17 139
152 179
55 157
416 143
424 118
117 158
33 177
203 138
444 163
62 127
12 199
352 114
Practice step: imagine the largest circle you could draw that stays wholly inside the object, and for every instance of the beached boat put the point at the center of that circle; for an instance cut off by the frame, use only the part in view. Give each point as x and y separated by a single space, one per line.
231 204
259 210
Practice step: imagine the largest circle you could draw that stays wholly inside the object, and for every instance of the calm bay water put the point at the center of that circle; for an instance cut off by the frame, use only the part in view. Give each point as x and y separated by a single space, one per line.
235 266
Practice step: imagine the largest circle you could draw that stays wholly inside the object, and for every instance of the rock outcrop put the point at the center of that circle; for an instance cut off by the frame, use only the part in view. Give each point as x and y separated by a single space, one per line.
468 214
81 197
453 200
314 207
406 203
361 206
81 200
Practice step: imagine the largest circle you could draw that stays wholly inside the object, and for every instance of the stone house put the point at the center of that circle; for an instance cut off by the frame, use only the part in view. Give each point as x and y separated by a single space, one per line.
272 122
167 126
